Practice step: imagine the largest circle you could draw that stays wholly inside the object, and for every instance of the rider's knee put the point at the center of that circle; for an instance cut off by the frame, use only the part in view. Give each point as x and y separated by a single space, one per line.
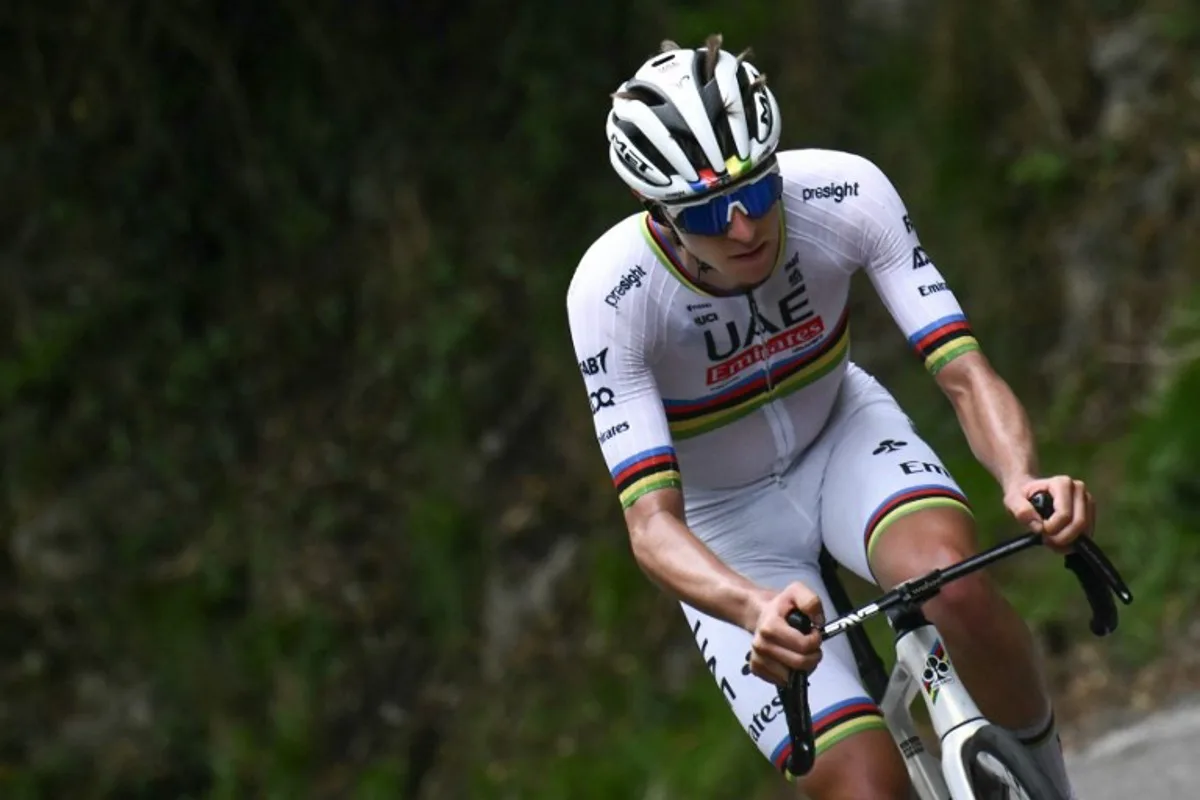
969 602
919 542
930 541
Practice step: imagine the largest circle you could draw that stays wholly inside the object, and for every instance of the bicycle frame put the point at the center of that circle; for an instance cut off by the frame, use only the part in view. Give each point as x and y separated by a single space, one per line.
922 664
923 667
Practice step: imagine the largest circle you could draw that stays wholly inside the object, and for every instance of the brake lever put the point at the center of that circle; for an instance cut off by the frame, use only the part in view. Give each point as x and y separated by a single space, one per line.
1096 574
796 711
1100 598
1100 563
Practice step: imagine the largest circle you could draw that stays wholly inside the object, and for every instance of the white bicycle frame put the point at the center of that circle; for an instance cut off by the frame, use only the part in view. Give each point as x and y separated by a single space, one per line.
922 666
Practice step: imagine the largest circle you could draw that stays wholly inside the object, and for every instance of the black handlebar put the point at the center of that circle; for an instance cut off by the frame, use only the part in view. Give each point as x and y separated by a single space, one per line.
1097 576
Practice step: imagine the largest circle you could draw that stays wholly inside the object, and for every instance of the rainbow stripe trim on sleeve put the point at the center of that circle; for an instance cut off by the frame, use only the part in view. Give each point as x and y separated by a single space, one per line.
943 341
645 472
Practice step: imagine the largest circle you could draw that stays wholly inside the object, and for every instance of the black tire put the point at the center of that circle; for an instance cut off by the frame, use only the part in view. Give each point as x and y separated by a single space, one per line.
1003 747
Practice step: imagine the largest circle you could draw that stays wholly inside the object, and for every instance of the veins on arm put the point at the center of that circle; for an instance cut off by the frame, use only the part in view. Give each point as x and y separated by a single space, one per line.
993 420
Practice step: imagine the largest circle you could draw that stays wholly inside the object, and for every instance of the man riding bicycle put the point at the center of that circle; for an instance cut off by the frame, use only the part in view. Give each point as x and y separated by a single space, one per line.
712 336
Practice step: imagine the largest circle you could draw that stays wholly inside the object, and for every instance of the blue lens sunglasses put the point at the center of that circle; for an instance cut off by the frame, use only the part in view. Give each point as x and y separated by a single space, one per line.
713 215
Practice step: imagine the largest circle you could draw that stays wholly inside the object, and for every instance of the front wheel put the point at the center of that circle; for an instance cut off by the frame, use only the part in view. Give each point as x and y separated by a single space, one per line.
1000 768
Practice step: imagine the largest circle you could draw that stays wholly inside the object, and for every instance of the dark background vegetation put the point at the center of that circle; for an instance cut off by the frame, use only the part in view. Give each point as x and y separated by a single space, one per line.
300 497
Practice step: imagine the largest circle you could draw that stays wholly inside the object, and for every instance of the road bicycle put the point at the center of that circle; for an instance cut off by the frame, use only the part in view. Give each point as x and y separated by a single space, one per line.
978 759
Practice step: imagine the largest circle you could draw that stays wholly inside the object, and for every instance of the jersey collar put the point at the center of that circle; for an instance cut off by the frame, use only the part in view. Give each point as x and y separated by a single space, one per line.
659 242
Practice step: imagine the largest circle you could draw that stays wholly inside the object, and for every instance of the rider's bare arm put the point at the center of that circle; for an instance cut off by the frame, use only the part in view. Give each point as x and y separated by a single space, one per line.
615 351
1001 437
677 561
680 564
993 420
926 310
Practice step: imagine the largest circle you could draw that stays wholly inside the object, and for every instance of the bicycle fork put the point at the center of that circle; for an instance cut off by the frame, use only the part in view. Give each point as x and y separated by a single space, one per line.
922 666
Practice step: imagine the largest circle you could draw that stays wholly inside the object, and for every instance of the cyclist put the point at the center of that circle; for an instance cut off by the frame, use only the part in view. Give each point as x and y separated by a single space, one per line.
712 337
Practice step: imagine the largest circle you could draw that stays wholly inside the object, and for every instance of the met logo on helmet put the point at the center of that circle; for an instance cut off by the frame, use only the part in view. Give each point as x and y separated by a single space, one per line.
628 156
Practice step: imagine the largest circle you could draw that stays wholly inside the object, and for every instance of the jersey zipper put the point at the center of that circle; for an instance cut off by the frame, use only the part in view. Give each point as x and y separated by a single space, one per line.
781 426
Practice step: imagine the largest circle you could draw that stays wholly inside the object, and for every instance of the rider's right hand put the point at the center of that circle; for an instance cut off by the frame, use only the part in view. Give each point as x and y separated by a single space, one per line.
777 647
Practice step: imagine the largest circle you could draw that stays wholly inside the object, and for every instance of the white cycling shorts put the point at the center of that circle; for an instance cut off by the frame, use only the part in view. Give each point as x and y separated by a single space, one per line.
867 469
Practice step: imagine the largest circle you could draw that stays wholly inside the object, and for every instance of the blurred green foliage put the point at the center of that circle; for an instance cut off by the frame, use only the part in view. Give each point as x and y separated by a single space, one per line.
291 426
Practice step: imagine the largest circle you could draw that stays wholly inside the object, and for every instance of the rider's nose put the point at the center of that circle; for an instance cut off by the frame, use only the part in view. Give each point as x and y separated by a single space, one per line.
741 227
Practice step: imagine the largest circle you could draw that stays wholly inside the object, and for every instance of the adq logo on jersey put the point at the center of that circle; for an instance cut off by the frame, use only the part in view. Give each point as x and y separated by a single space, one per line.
629 281
602 398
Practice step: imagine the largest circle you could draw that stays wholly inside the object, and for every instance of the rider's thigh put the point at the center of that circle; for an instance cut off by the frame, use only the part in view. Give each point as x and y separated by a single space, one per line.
863 767
765 529
841 709
878 474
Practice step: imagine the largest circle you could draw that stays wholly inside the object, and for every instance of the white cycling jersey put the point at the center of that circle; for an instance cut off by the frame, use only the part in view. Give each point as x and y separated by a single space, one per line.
691 386
748 401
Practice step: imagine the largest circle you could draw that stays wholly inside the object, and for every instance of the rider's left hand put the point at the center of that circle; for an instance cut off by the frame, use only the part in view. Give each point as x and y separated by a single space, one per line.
1074 509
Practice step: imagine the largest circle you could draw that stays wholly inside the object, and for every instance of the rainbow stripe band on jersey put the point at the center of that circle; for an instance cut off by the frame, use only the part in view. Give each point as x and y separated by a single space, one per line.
688 418
943 341
645 472
835 724
905 502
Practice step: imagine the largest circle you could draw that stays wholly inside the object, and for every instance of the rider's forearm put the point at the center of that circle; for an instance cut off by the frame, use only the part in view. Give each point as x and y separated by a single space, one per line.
671 555
994 421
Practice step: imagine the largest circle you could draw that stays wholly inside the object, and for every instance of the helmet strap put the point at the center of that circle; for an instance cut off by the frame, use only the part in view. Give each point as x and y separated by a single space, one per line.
658 214
660 217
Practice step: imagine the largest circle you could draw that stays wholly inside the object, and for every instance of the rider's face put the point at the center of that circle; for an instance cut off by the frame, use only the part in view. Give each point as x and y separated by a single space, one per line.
744 254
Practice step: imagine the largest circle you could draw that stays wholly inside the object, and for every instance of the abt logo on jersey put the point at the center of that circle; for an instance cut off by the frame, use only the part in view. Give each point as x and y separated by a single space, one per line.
594 365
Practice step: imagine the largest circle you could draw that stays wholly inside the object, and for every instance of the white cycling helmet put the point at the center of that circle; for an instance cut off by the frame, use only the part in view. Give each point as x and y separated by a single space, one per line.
674 135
